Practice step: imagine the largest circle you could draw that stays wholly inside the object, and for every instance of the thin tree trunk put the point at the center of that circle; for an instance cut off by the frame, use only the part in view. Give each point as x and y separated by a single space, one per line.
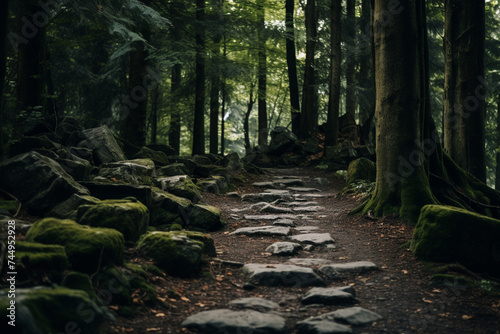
214 99
365 75
464 106
497 174
224 100
154 114
199 108
332 130
307 126
246 124
262 73
350 73
4 15
174 135
291 60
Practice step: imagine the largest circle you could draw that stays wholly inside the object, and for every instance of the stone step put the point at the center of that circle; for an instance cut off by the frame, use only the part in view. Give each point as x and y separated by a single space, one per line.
259 304
276 217
314 238
263 230
284 248
330 296
304 189
337 270
281 275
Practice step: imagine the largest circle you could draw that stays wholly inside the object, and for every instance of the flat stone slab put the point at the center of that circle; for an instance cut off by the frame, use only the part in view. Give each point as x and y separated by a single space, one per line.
225 321
274 209
295 204
307 229
277 216
277 191
349 267
309 196
308 209
281 275
284 222
314 238
321 326
309 262
263 230
291 182
267 197
284 248
330 296
267 184
354 316
304 190
254 303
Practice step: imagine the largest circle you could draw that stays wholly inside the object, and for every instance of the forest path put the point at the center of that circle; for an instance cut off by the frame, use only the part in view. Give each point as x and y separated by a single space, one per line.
332 261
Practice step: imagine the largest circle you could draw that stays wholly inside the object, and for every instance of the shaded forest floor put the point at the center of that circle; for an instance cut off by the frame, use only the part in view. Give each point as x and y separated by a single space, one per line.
400 290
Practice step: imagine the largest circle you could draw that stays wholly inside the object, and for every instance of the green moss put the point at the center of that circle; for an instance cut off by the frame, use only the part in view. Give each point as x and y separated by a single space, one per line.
10 206
79 281
361 169
151 268
451 280
205 218
128 216
50 310
175 227
449 234
37 258
87 248
179 252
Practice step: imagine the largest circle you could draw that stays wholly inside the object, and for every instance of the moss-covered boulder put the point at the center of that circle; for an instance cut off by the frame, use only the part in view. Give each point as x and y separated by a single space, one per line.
79 281
168 209
128 216
88 248
204 218
51 310
172 170
68 209
449 234
180 185
136 172
36 260
158 157
361 169
8 207
179 253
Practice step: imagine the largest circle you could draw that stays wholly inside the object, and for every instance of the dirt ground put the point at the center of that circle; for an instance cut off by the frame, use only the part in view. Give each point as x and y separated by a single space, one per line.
400 290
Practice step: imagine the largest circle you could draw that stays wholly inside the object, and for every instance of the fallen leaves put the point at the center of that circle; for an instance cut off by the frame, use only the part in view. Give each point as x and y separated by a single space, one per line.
427 301
467 317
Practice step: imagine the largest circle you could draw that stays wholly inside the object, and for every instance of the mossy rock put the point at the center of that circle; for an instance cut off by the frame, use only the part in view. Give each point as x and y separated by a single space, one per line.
158 157
128 216
40 259
204 218
179 253
451 281
172 170
450 234
167 208
135 172
68 208
180 185
52 310
9 206
79 281
361 169
88 248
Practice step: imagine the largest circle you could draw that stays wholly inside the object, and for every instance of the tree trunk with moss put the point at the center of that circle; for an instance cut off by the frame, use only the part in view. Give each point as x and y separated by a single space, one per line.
464 105
332 123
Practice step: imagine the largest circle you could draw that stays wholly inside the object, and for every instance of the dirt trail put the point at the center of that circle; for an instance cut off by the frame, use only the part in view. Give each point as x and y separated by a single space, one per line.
398 290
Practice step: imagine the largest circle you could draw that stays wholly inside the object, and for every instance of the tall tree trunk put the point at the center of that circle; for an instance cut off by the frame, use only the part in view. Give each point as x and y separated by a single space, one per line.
199 108
31 64
350 72
4 15
154 114
174 134
464 106
224 100
291 60
246 124
136 102
332 131
307 126
215 86
365 75
262 72
497 174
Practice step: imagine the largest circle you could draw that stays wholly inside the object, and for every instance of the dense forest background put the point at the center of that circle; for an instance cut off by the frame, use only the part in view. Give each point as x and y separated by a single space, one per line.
224 72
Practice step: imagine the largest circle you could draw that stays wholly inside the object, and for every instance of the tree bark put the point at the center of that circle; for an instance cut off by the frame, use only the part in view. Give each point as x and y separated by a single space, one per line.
174 134
224 100
262 72
246 124
497 173
4 15
365 75
154 114
199 108
307 126
332 131
464 105
214 98
291 60
350 72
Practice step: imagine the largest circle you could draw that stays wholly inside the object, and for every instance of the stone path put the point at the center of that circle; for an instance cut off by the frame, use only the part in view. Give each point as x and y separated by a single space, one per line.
286 209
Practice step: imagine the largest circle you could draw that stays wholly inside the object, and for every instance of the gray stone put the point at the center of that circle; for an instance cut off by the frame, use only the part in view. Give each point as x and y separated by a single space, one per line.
40 183
330 272
158 157
225 321
103 144
276 217
258 206
67 209
277 191
266 197
136 172
310 196
263 230
299 204
304 189
180 185
321 181
329 296
172 170
274 209
308 209
266 184
233 194
321 326
284 222
203 218
314 238
307 229
284 248
349 267
309 262
281 275
292 182
354 316
254 303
